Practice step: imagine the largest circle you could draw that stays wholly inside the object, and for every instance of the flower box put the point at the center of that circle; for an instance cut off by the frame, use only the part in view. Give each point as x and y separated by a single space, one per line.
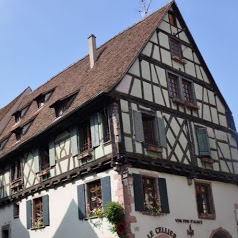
192 106
207 160
85 154
178 101
179 60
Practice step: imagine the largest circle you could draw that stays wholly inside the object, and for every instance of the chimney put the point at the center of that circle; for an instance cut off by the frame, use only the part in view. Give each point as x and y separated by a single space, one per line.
92 50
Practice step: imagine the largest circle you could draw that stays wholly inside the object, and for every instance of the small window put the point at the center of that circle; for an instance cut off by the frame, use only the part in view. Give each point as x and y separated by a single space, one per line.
94 197
175 48
20 131
173 85
20 114
204 199
172 19
85 136
149 129
187 90
16 210
6 231
63 104
44 158
105 125
38 212
3 143
43 98
150 194
16 170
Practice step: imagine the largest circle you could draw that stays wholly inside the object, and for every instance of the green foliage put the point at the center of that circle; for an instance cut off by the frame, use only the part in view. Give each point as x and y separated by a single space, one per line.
114 212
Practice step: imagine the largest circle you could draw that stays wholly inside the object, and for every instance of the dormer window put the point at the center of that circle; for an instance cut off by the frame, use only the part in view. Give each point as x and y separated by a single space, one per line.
63 104
43 98
3 143
20 114
20 131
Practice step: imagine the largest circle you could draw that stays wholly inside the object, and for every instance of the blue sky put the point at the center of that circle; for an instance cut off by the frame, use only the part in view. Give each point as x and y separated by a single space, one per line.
40 38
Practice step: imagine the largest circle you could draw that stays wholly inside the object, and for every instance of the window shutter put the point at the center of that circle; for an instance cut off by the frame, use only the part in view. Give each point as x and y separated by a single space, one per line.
138 126
74 141
52 152
94 127
28 214
81 201
138 192
203 143
163 195
106 190
161 133
46 214
36 160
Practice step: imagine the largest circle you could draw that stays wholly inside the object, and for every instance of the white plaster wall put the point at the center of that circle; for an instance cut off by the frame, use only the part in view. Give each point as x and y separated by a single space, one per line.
183 206
64 220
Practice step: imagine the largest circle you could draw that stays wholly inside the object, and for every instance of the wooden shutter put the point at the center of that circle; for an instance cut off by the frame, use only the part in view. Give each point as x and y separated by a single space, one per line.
161 132
46 214
36 160
81 201
106 190
74 141
52 152
203 142
28 214
94 127
138 126
163 196
138 192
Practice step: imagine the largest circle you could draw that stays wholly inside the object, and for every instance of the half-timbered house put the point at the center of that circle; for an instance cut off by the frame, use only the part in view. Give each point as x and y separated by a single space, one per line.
141 121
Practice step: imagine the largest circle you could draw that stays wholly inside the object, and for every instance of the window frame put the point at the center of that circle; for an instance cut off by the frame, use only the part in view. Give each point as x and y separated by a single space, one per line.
105 126
85 137
208 201
44 156
181 99
148 122
16 210
172 18
175 48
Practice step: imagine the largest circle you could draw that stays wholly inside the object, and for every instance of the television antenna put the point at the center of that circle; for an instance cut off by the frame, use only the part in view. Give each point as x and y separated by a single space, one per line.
145 6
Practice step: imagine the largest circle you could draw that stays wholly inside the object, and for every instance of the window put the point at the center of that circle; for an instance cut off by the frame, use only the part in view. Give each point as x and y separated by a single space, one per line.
20 131
63 104
204 199
85 136
94 200
43 98
6 231
172 19
149 130
173 85
175 48
94 197
38 212
151 194
3 143
181 91
105 127
203 142
44 158
16 170
20 113
16 210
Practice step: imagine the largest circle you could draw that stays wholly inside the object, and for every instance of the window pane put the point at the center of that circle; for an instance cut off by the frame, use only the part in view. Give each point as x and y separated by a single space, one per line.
94 195
86 141
187 91
149 130
173 86
175 48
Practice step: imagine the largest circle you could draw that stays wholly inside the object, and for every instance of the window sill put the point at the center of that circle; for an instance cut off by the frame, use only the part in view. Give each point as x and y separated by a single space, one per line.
43 172
87 153
207 160
154 148
178 101
192 106
36 228
16 183
154 214
207 216
179 60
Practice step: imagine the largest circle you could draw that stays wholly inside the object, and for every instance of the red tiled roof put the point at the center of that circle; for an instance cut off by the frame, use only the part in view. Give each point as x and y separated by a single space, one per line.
114 59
